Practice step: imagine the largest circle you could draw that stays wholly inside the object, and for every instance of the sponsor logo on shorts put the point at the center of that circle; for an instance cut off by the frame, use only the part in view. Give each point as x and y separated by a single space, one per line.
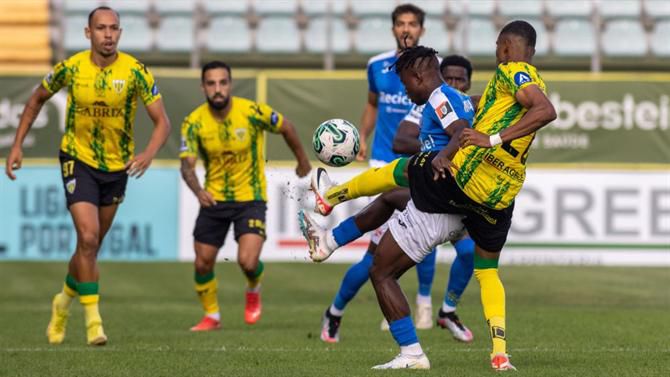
118 199
71 185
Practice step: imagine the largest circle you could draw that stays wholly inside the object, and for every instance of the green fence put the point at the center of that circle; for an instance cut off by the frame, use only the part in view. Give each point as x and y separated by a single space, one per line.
614 119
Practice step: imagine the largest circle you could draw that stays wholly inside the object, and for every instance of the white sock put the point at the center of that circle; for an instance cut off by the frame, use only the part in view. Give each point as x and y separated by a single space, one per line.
331 244
335 311
448 308
215 316
424 300
255 289
412 350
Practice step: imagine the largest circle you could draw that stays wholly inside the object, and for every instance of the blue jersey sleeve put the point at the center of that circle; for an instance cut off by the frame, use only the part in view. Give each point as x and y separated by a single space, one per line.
372 85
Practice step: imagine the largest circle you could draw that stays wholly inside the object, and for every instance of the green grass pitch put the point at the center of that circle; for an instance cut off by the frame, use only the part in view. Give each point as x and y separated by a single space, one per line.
561 321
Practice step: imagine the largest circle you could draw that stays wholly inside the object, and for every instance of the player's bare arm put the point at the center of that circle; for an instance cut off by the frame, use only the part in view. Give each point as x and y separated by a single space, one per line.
188 174
442 162
367 125
30 111
406 140
290 135
540 113
138 165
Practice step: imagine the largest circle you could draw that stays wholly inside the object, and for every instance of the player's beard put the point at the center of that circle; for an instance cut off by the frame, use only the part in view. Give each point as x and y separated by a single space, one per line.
406 41
218 105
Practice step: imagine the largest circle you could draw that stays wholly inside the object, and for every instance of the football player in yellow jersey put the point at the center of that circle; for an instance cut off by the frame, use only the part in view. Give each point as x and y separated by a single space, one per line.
477 175
228 133
96 154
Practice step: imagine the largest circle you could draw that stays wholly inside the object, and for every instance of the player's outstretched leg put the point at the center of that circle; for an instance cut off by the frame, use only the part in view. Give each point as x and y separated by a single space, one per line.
459 276
60 311
322 242
371 182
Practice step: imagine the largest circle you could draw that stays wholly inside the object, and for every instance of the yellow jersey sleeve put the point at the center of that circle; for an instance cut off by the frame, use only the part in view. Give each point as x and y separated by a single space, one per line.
267 118
60 76
189 138
148 90
518 76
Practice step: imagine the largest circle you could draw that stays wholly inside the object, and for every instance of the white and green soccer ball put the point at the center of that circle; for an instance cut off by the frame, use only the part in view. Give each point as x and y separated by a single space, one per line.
336 142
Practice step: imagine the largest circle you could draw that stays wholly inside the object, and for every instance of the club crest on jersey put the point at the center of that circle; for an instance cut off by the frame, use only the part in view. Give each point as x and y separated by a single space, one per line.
71 185
240 133
443 109
118 85
521 78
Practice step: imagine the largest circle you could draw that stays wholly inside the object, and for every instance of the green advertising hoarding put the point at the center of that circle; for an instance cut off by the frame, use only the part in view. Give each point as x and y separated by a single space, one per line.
619 118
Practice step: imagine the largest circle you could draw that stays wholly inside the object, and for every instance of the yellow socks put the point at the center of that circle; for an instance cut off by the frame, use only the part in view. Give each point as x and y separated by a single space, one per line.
493 301
207 287
371 182
64 298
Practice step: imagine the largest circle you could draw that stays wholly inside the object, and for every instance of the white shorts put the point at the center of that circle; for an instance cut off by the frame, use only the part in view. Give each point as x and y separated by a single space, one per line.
376 235
417 233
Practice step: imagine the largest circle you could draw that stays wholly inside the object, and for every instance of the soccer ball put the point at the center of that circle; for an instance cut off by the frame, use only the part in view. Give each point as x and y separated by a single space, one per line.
336 142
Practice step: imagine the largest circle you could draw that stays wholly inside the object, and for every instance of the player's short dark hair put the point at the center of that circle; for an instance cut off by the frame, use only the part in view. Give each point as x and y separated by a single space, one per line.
102 7
410 56
459 61
408 8
522 29
214 64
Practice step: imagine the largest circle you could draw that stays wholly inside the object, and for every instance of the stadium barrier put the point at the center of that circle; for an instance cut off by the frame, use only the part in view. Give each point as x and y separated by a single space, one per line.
597 191
561 217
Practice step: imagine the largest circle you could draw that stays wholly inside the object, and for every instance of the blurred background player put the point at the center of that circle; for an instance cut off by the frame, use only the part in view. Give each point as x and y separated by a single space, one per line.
96 153
457 72
387 105
229 134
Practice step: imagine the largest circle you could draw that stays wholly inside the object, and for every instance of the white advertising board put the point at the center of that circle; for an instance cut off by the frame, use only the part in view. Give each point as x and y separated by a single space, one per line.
561 217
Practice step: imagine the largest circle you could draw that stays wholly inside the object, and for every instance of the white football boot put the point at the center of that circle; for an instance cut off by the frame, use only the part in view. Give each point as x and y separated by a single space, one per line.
406 362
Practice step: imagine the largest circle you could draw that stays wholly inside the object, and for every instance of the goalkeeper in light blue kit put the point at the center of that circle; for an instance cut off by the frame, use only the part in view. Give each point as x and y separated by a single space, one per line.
387 107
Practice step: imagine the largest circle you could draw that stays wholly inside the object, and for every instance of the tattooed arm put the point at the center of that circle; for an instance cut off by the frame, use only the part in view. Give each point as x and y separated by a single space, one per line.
188 174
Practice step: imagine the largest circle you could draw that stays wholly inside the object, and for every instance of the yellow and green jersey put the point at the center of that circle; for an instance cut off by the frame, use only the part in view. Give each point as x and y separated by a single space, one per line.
233 149
494 176
101 107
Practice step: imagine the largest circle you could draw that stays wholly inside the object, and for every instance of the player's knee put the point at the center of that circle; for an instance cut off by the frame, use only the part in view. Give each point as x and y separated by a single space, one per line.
248 265
203 266
88 242
378 274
